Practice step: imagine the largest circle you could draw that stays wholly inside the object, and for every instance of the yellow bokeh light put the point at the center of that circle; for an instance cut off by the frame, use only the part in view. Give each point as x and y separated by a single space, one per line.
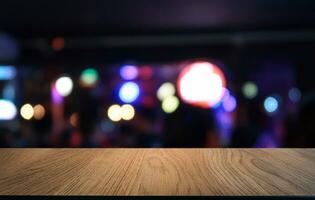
165 90
114 113
39 112
127 112
170 104
27 111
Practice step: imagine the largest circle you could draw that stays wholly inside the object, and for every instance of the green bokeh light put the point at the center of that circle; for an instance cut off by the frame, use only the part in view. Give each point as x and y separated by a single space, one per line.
250 90
89 77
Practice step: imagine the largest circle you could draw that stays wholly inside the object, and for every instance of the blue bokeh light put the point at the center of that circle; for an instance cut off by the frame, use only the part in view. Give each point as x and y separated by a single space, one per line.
271 104
129 92
294 95
9 92
7 72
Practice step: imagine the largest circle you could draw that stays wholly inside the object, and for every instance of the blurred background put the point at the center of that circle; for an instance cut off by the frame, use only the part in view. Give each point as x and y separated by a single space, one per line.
180 73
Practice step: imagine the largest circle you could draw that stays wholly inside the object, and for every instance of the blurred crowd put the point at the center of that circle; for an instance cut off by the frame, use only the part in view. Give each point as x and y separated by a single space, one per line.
83 122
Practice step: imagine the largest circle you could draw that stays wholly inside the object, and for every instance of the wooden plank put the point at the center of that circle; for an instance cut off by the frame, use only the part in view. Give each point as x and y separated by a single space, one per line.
157 171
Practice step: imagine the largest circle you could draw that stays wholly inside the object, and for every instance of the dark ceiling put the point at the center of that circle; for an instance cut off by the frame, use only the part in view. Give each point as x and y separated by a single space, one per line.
116 30
34 18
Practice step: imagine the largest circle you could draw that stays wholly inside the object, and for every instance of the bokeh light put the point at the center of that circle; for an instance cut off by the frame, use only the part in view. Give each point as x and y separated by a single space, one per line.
229 104
58 43
201 84
271 104
55 96
114 113
27 111
129 92
146 72
294 95
89 77
226 95
7 72
170 104
7 110
64 86
129 72
9 92
250 90
39 111
165 90
74 120
127 112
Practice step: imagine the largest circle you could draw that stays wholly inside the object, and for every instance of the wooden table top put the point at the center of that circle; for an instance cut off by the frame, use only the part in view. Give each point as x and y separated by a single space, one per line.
157 171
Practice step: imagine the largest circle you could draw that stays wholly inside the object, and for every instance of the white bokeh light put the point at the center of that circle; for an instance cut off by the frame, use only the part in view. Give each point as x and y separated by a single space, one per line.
27 111
201 84
127 112
7 110
129 92
114 113
64 86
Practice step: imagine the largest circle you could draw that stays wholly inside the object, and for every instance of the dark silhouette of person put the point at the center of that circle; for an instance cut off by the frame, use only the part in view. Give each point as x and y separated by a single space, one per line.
301 133
189 126
245 133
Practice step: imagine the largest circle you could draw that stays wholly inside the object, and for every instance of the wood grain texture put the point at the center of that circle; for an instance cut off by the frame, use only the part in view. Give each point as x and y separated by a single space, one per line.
157 171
